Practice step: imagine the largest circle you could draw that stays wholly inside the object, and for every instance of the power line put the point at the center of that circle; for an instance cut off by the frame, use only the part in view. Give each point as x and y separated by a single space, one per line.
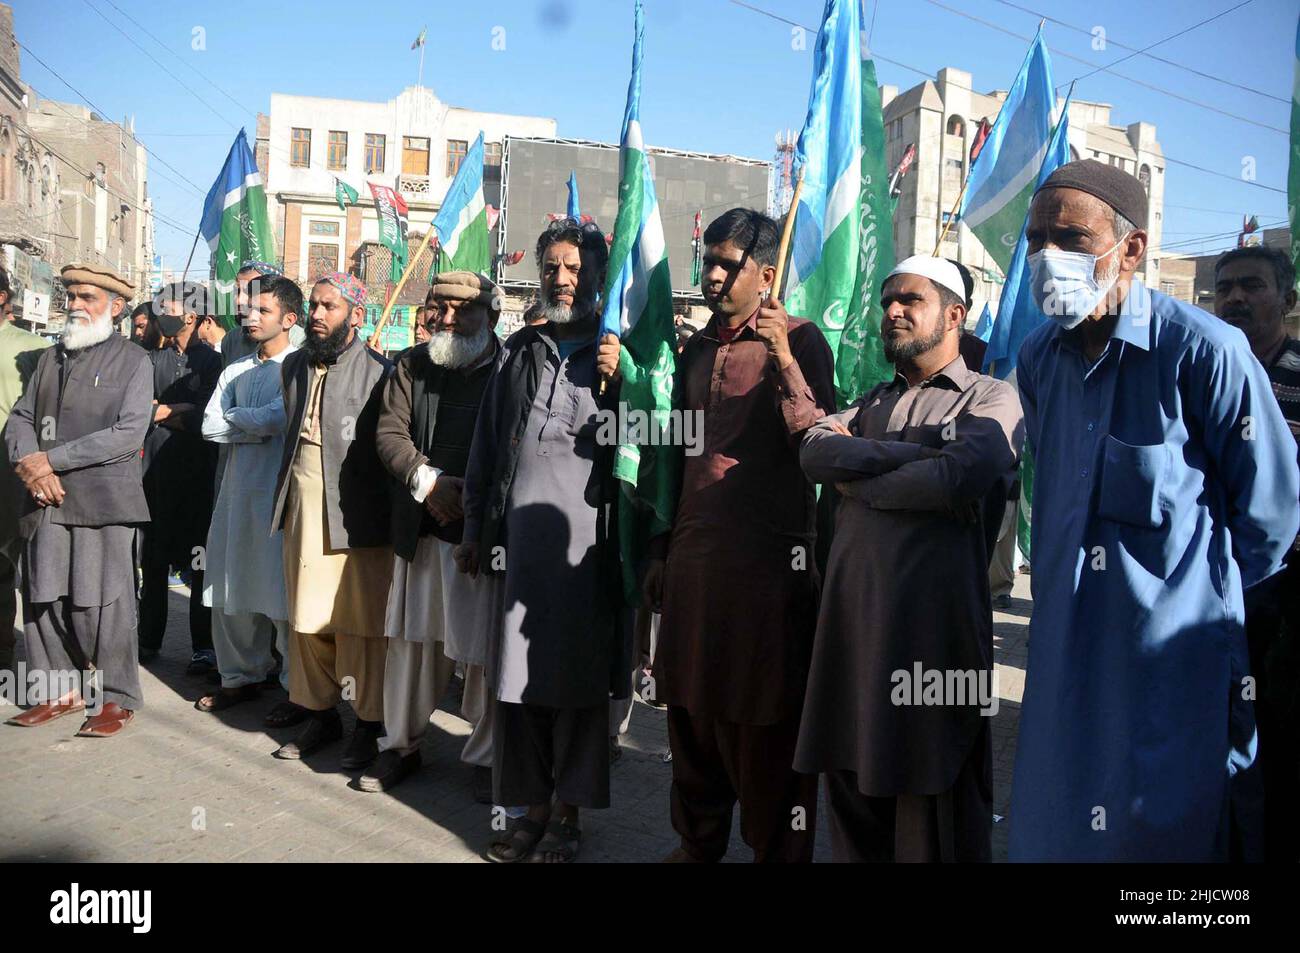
1123 76
199 189
192 68
930 75
1173 36
1145 52
1188 242
178 80
90 175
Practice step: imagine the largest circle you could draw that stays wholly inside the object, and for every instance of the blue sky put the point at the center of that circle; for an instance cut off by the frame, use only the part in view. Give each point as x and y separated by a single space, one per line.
718 77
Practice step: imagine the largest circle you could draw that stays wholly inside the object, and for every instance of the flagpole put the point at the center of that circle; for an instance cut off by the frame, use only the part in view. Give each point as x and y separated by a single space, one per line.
952 215
785 238
419 81
410 267
186 272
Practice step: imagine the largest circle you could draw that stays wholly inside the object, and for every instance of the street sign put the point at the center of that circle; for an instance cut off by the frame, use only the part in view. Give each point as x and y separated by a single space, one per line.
36 307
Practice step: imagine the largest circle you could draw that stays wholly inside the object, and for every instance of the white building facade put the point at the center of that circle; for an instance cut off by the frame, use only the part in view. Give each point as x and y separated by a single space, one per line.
941 117
413 144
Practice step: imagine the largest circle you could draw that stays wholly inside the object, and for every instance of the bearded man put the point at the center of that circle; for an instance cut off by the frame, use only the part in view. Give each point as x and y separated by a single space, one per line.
538 503
332 501
436 615
74 439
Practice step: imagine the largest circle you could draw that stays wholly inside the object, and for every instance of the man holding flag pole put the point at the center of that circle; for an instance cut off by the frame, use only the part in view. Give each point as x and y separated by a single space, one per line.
732 657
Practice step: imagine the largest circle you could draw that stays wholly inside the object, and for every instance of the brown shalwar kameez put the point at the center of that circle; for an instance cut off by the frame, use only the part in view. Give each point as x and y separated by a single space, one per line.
740 593
925 478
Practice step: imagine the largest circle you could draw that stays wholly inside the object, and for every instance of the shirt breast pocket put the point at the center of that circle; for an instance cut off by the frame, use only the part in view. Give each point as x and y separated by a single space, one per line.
95 406
1133 494
1132 482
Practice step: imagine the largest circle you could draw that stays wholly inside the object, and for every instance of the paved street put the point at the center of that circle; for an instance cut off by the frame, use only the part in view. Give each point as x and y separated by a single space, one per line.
179 785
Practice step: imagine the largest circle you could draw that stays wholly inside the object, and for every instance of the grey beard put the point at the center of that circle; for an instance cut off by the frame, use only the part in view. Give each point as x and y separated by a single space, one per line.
454 351
563 314
78 335
914 348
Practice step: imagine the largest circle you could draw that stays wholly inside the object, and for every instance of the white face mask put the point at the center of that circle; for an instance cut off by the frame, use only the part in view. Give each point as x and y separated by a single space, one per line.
1065 285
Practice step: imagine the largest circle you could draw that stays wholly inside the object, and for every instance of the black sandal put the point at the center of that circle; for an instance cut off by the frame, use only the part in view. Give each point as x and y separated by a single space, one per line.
517 842
220 701
285 714
563 838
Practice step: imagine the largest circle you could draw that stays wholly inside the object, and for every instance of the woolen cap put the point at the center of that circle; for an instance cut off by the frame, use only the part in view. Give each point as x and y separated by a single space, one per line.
1121 191
98 275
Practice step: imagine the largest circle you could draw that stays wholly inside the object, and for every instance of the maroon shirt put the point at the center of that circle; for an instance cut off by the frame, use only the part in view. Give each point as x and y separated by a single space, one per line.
740 585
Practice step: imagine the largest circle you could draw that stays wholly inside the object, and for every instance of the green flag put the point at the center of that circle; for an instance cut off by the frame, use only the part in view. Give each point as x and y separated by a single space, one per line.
638 308
843 244
235 224
464 242
1293 178
344 194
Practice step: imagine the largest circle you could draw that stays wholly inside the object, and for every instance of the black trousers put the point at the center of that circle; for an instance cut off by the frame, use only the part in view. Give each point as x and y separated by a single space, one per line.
717 763
154 567
1275 663
540 753
8 610
955 825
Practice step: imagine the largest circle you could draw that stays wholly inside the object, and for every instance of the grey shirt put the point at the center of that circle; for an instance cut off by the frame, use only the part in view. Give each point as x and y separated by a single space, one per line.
552 651
926 475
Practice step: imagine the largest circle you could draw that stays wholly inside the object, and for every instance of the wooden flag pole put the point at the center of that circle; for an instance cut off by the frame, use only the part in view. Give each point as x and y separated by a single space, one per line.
952 215
785 238
410 267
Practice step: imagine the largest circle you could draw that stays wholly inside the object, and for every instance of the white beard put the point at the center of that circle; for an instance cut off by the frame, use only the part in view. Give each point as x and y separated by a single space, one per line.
82 330
454 351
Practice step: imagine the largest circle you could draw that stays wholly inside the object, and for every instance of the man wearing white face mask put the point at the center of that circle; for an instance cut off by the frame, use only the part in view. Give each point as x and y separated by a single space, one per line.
74 439
1165 488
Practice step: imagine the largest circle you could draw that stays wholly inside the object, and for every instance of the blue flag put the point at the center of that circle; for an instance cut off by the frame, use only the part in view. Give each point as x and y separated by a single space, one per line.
574 211
1003 180
984 326
1017 313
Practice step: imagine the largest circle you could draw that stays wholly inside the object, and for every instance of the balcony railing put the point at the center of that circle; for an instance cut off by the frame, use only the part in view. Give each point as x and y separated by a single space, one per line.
413 184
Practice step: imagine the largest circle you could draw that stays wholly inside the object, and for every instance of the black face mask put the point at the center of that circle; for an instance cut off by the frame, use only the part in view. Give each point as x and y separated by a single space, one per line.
326 350
169 325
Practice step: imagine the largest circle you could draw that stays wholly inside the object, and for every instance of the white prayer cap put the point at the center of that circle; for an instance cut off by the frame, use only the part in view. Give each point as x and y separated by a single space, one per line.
939 270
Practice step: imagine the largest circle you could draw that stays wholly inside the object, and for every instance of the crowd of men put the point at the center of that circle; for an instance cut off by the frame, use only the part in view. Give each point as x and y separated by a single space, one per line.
358 529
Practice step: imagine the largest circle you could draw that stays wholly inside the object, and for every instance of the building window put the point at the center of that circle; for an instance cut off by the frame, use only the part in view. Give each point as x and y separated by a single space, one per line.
323 228
375 148
322 259
337 157
456 149
415 155
1144 176
956 127
491 153
300 148
1167 287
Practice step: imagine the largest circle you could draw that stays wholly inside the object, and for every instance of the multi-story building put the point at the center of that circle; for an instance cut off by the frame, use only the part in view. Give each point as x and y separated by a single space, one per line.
413 144
940 117
104 213
29 182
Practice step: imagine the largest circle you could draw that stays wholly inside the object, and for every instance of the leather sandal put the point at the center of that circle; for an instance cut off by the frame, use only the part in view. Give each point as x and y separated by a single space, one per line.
516 843
220 701
112 719
284 715
48 711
